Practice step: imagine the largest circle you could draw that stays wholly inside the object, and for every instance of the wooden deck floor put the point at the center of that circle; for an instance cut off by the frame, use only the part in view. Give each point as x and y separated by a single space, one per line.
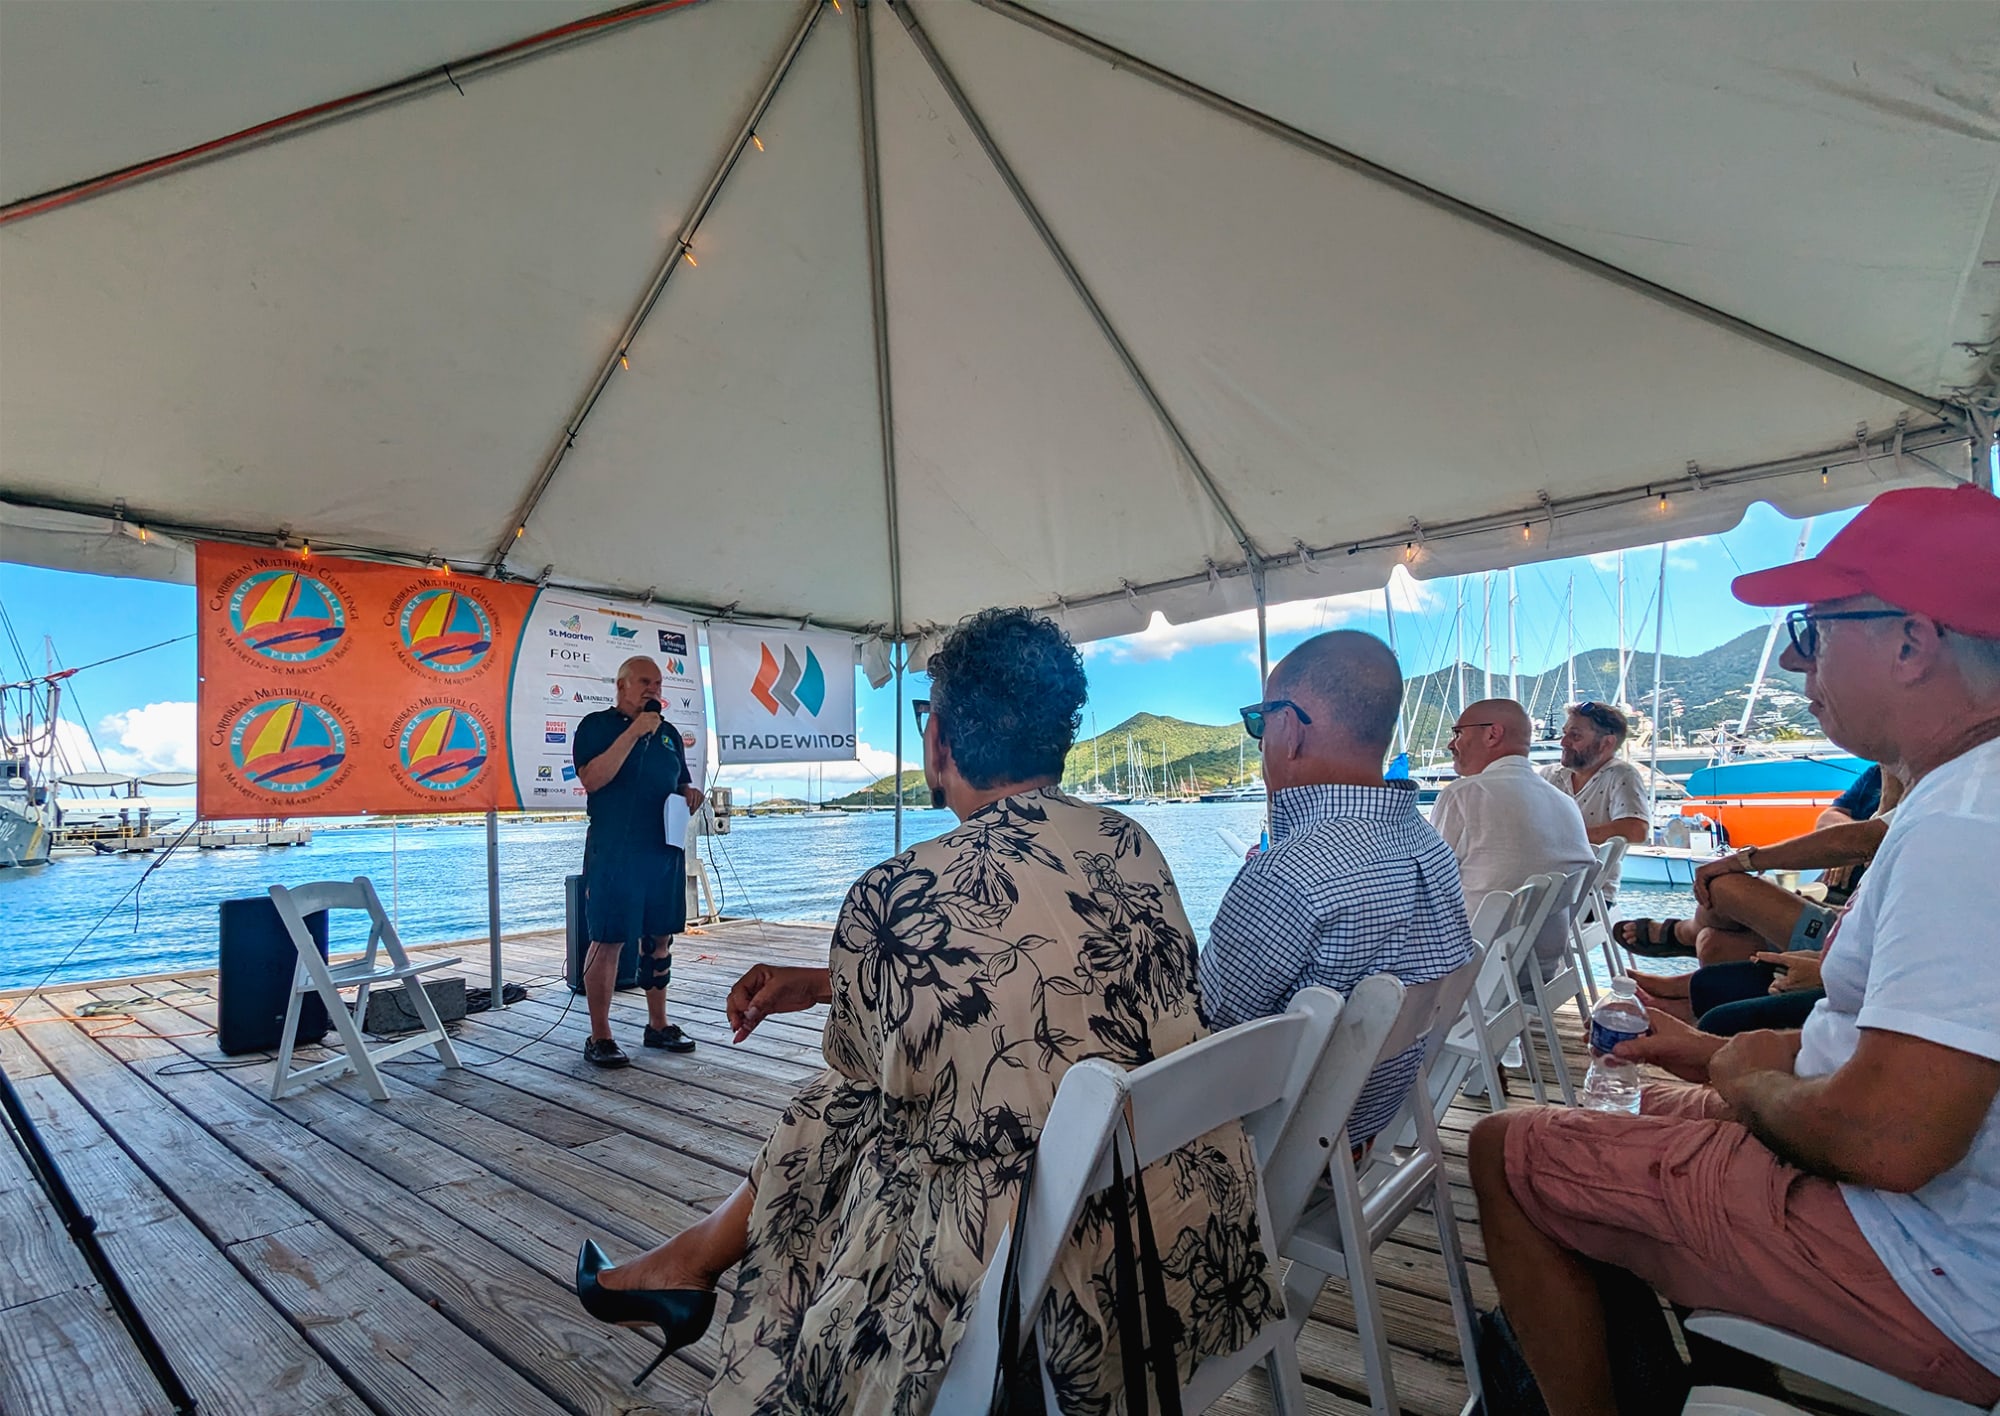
329 1254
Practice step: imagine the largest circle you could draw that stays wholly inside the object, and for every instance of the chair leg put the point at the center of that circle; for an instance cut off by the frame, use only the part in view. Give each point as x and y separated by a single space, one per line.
1369 1325
357 1049
1288 1384
1456 1281
1556 1058
426 1011
1496 1081
288 1041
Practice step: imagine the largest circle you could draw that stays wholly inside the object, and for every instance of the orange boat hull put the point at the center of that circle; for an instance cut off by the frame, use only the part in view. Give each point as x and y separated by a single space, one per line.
1762 820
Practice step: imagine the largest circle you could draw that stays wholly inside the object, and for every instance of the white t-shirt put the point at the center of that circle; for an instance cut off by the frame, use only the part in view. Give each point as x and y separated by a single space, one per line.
1918 952
1616 792
1506 823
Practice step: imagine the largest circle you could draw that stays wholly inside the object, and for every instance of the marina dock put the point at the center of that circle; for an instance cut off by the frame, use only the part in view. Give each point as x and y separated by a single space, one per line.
327 1254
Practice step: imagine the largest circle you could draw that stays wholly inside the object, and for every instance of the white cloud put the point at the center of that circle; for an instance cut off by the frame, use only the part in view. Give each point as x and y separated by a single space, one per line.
159 737
1161 640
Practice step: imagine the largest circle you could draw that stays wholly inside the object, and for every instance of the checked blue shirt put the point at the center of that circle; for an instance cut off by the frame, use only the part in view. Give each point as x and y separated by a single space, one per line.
1355 883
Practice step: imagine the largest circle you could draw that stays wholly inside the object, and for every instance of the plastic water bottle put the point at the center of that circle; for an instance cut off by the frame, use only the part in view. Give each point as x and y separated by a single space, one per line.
1613 1084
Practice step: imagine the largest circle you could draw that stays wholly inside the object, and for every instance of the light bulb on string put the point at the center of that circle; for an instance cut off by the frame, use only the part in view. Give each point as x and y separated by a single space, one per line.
1527 530
758 141
624 362
688 256
1822 476
519 532
1663 501
305 550
836 7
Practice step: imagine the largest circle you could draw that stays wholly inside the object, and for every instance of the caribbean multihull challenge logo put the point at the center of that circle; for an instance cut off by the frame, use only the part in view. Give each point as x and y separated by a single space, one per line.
790 686
445 631
287 617
287 746
442 749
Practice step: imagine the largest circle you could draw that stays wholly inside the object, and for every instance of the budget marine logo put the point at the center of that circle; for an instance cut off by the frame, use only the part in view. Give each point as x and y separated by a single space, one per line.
789 686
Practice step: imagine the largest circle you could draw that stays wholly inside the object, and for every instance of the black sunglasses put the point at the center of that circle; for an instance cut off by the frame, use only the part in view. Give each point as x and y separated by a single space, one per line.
1803 626
1607 718
1253 716
922 708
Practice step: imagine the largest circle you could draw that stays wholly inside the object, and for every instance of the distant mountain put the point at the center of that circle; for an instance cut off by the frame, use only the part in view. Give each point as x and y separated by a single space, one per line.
1697 693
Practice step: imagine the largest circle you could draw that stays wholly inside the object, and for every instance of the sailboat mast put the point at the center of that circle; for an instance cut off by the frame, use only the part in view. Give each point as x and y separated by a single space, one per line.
1486 630
1620 698
1389 609
1659 628
1569 648
1513 658
1458 642
1770 640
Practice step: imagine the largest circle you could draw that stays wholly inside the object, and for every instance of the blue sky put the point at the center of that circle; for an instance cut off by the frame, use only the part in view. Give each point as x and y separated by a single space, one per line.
142 709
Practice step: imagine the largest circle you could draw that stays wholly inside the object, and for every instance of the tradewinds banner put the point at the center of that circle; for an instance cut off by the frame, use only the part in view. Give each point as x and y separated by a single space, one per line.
334 687
781 696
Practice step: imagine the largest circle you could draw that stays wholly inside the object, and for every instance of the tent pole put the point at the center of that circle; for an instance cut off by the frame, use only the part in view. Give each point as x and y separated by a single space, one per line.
1513 655
669 262
1252 556
493 906
1478 216
902 656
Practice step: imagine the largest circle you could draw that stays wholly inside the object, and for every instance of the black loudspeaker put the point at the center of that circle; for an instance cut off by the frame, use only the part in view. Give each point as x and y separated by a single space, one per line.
254 978
576 924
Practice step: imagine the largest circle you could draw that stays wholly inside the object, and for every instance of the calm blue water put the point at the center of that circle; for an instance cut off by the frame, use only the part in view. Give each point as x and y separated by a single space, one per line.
434 878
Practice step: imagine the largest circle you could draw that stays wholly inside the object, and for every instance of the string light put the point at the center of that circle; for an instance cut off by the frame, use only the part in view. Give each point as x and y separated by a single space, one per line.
305 550
1527 530
519 532
624 362
836 7
757 140
1663 501
1822 476
688 256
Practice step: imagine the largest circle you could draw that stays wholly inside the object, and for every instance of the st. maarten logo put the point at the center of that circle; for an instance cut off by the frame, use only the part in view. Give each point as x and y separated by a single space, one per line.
287 746
446 631
441 748
287 617
789 685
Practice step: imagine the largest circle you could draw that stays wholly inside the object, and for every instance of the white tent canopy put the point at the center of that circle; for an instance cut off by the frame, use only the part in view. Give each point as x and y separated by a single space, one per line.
878 315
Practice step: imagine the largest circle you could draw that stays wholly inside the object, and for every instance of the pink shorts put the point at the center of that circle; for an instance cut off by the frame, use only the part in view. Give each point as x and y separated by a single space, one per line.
1702 1211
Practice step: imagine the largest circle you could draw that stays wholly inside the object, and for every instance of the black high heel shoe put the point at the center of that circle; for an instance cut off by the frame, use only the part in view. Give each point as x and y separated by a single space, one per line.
681 1314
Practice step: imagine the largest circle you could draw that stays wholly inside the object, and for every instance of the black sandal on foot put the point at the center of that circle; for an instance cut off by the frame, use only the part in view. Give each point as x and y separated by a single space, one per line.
681 1314
1652 938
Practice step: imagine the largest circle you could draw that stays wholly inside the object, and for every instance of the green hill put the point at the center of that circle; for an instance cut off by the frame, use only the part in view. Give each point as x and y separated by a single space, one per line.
1196 755
882 792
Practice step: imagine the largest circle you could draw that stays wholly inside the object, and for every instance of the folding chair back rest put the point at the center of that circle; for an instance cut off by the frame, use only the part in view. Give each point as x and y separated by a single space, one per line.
1234 1075
356 894
1798 1354
1489 917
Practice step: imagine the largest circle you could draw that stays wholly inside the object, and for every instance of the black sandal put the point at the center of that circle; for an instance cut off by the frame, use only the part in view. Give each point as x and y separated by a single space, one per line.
1651 938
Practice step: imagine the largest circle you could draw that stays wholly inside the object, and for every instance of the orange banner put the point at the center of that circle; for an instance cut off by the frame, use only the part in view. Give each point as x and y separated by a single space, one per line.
331 687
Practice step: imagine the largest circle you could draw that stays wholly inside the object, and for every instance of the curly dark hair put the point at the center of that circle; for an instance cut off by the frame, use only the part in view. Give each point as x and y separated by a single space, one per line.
1007 688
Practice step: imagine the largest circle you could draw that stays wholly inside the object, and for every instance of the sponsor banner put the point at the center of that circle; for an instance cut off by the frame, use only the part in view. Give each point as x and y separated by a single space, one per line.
334 687
782 696
566 668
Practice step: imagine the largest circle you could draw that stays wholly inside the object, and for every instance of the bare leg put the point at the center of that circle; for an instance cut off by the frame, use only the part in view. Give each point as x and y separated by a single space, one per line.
1764 912
1726 946
697 1256
1550 1294
600 981
1662 986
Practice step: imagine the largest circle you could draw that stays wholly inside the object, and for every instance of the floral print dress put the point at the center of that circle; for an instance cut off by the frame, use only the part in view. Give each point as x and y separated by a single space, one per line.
968 974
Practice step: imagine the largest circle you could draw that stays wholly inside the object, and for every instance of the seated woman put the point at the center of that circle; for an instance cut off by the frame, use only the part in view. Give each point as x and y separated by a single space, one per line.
967 975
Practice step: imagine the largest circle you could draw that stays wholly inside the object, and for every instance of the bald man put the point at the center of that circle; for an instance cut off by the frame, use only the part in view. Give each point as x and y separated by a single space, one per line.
630 760
1355 882
1503 820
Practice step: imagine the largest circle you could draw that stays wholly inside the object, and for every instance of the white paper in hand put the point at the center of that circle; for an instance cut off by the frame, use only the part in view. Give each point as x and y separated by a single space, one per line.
677 820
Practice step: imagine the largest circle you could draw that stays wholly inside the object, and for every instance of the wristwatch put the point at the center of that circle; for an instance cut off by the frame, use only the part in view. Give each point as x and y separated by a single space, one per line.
1750 858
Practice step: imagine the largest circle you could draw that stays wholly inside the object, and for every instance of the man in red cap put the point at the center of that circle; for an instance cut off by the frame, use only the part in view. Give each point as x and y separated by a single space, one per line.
1841 1181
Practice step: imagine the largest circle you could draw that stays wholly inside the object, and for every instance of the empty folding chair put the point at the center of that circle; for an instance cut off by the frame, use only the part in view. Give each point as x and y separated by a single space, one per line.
1610 860
1357 1209
315 974
1587 919
1798 1354
1493 1017
1547 993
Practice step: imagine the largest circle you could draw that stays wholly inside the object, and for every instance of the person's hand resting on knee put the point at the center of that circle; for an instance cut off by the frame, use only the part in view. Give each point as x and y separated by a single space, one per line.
765 990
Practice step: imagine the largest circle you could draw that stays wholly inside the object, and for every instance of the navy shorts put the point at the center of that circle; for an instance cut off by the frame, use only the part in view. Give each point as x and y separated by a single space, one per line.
630 899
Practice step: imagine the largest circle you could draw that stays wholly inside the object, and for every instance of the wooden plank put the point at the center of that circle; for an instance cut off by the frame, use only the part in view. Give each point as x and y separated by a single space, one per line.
328 1287
38 1260
237 1356
67 1353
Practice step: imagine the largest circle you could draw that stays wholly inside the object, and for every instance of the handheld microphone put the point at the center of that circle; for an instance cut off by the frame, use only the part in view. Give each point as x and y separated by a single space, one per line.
651 705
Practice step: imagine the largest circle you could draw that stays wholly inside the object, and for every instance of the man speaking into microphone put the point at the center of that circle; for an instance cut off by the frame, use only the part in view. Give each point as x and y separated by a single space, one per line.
630 760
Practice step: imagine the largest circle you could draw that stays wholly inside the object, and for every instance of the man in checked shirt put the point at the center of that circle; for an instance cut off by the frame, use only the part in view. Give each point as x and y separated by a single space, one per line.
1355 881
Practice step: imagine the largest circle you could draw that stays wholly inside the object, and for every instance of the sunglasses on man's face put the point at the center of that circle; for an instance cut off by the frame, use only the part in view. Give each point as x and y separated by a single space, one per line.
1598 715
922 708
1253 716
1803 626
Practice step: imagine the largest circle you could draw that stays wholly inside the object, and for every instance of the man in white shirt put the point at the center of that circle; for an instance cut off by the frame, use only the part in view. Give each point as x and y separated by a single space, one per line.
1502 820
1841 1181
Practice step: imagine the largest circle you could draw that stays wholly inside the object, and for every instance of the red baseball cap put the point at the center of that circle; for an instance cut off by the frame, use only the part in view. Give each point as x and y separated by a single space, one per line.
1934 551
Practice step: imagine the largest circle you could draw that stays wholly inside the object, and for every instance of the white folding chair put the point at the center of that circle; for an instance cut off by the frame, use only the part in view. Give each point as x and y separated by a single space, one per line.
1586 921
1610 861
1356 1211
1254 1073
1798 1354
1547 993
1493 1016
315 974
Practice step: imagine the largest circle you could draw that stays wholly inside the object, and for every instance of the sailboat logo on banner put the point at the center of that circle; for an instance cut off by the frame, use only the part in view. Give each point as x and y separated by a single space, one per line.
284 616
287 746
442 749
790 687
446 631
